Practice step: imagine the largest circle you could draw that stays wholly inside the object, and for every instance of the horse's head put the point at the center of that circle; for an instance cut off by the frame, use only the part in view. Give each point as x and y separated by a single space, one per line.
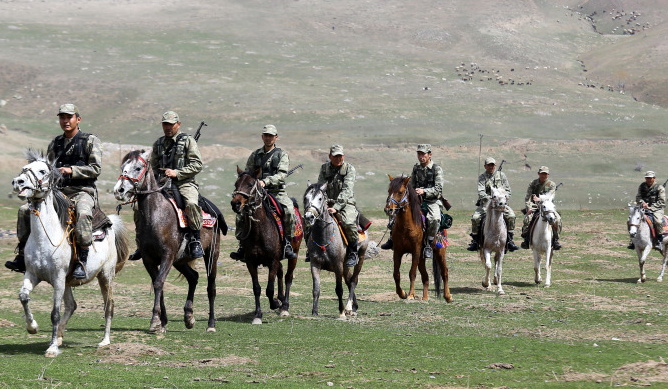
548 211
499 198
315 203
397 195
245 189
135 170
36 178
635 218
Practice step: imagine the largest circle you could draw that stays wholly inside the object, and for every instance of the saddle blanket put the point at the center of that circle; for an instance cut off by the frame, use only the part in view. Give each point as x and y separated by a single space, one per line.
208 221
299 227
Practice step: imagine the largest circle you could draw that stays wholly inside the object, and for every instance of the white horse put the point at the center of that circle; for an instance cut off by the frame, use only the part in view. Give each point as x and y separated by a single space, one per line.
541 239
495 235
641 236
48 254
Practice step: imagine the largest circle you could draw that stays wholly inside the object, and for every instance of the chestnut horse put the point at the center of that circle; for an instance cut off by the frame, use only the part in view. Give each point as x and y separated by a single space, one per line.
403 204
263 242
162 243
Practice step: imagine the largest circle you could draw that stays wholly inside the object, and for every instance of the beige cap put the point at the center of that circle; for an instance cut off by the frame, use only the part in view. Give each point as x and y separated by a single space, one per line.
269 129
650 174
490 161
544 169
336 150
170 117
424 148
69 109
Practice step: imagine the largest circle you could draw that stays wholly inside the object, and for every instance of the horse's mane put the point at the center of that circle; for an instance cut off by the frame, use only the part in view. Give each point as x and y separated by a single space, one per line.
414 201
134 154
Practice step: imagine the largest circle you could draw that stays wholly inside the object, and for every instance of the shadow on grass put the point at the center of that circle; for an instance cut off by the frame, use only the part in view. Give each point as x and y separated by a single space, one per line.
35 348
631 280
519 284
467 290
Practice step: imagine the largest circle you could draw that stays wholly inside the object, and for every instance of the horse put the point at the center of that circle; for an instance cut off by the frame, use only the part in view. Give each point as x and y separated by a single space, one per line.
494 235
262 241
403 204
327 250
541 238
640 233
48 255
162 243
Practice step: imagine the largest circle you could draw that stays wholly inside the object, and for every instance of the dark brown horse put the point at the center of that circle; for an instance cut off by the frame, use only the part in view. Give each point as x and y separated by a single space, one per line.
403 203
262 242
162 243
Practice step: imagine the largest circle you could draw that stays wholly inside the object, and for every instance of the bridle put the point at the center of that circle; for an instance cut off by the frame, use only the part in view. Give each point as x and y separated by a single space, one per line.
255 196
399 205
139 182
36 182
544 212
320 214
136 181
636 209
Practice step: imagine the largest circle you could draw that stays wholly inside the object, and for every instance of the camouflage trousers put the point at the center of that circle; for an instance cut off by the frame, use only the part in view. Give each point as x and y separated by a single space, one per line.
190 194
83 208
433 218
476 219
658 220
527 220
288 217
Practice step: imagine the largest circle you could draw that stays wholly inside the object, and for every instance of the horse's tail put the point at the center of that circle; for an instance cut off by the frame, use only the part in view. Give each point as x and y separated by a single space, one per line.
122 241
437 275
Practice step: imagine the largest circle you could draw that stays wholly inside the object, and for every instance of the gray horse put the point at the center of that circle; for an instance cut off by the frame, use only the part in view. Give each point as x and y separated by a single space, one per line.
328 251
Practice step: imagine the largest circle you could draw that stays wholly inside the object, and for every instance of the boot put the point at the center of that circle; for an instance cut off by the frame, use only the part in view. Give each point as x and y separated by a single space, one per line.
19 262
288 252
136 256
428 252
473 246
510 244
389 245
352 259
195 245
239 255
555 243
631 246
80 266
525 242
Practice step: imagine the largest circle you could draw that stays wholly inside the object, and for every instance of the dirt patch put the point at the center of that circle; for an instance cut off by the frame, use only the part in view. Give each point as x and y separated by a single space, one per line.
382 297
213 362
6 323
126 353
638 373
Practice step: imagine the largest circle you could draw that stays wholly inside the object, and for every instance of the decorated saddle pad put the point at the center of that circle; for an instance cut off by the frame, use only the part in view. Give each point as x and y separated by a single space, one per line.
208 221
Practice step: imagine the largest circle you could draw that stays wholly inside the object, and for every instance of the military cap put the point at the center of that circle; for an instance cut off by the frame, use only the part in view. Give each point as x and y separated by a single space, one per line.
69 109
650 174
170 117
544 169
269 129
424 148
490 161
336 150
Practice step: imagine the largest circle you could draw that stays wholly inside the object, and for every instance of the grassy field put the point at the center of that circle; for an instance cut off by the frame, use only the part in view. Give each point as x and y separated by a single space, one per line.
594 327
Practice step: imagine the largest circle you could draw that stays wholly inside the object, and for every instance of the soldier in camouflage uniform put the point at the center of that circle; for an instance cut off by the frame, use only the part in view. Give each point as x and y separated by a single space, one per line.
538 187
427 179
78 157
652 197
340 179
491 178
275 164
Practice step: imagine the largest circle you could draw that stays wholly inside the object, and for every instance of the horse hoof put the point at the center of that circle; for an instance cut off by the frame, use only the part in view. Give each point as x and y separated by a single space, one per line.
660 279
284 314
103 343
32 328
640 280
547 286
351 313
190 322
52 352
485 285
537 282
342 316
501 293
448 299
257 320
211 329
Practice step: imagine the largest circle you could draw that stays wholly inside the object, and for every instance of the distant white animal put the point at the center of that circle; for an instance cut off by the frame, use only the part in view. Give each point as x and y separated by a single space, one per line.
642 239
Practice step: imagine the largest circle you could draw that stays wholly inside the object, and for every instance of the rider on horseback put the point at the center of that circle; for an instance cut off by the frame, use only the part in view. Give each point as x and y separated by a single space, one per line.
340 179
652 198
538 187
491 178
78 157
275 164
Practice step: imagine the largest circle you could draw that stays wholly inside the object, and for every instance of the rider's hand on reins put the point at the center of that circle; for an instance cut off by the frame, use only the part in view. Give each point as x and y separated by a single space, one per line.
169 172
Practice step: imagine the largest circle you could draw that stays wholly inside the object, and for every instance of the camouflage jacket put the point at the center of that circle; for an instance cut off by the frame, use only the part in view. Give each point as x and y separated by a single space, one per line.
340 182
180 153
486 181
84 172
538 189
429 178
654 197
274 170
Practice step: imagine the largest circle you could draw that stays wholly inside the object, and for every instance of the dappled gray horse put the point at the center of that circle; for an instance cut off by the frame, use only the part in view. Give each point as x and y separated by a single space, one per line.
494 233
640 233
48 253
328 250
541 238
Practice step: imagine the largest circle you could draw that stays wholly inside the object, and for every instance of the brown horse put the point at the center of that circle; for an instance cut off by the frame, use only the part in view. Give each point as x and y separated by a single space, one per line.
262 242
162 243
403 204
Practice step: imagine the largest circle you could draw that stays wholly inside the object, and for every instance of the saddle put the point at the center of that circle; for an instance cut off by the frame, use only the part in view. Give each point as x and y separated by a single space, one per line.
100 224
208 208
649 219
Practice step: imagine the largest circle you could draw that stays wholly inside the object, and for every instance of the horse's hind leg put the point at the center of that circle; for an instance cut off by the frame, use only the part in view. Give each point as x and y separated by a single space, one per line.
70 307
192 277
275 268
413 273
211 289
498 259
351 282
108 297
444 274
548 267
424 277
29 282
58 293
257 290
339 295
663 265
536 265
641 260
289 276
315 274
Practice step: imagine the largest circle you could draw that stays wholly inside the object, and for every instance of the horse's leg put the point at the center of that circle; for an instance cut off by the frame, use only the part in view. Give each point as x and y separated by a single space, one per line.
351 281
29 282
443 264
413 272
498 260
663 265
70 307
159 318
536 264
289 276
108 297
642 255
315 274
275 268
211 262
58 293
397 275
257 290
192 277
339 294
424 277
279 281
485 255
548 265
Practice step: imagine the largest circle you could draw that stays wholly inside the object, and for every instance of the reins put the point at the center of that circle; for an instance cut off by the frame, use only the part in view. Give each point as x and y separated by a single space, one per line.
255 196
138 182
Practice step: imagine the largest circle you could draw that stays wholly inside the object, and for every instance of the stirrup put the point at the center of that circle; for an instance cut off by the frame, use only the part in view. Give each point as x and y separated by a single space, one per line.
389 245
79 271
473 246
288 252
428 252
17 265
352 259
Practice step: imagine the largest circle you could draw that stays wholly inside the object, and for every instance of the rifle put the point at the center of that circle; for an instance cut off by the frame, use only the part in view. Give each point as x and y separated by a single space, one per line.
501 165
198 133
665 183
561 183
300 166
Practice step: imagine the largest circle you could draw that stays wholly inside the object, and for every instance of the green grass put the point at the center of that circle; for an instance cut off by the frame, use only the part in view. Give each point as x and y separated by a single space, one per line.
593 322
